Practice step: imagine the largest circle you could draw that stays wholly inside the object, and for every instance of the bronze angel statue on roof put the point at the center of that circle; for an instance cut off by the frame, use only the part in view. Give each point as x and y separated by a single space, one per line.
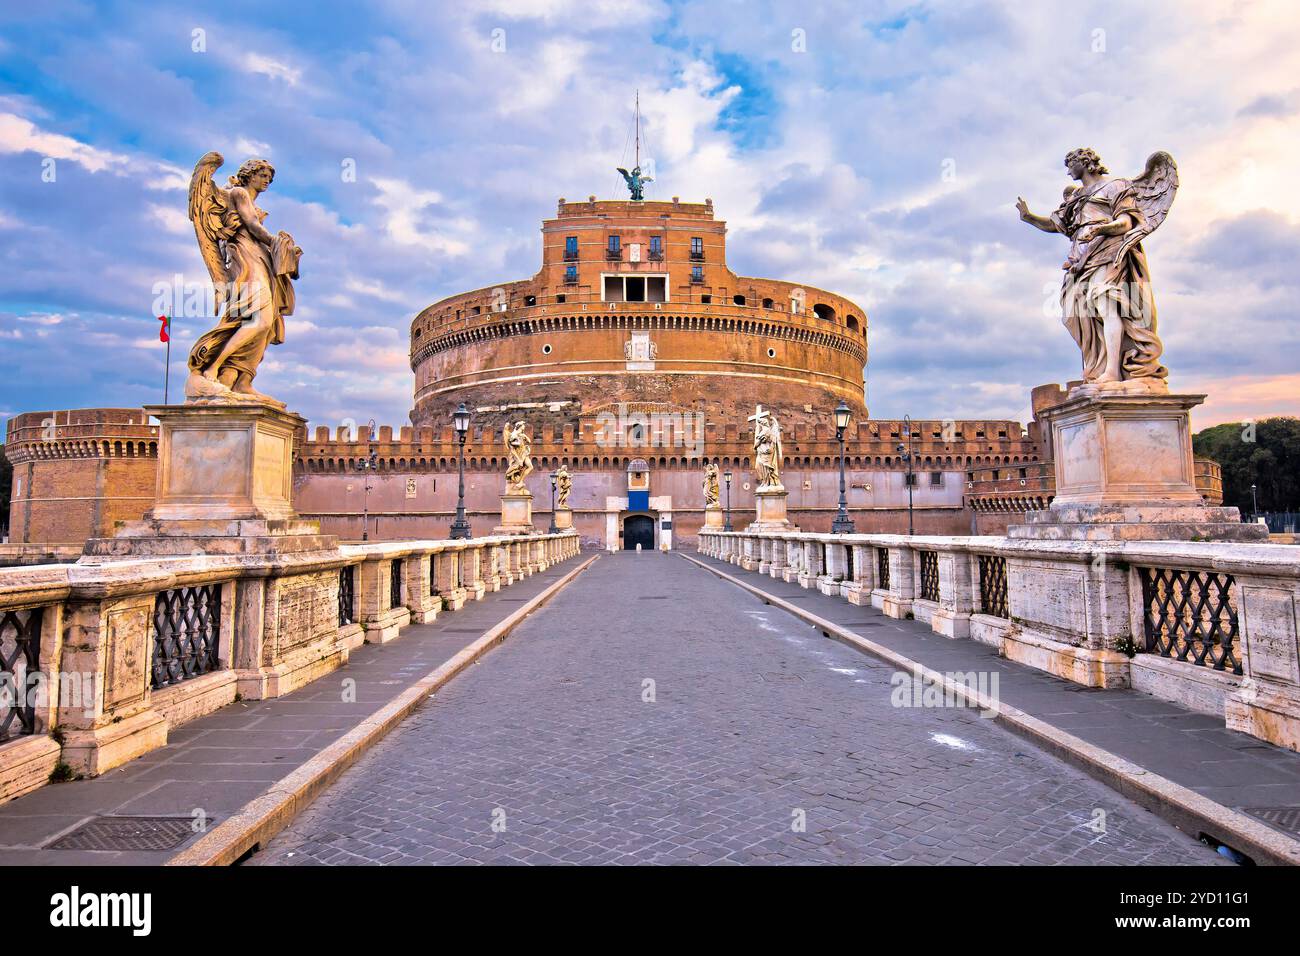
635 182
1106 292
252 272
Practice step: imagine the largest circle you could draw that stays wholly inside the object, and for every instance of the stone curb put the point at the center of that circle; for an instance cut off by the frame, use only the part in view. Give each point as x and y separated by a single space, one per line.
1186 809
262 818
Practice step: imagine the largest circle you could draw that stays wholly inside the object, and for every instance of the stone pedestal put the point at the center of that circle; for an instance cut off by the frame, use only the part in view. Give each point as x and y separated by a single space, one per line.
1124 472
516 512
770 504
713 517
225 482
563 519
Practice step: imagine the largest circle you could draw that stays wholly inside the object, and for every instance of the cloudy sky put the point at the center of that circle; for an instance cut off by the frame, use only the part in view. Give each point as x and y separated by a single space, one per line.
871 148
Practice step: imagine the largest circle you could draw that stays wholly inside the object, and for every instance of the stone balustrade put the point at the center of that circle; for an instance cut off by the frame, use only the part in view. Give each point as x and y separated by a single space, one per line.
98 661
1211 626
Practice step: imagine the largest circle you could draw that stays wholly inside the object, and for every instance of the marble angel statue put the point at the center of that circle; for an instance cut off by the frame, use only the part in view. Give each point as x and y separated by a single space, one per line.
520 448
1106 295
563 487
252 272
767 449
711 489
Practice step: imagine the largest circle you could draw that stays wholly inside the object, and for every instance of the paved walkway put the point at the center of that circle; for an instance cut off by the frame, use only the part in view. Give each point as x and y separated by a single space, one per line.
1191 749
214 765
652 713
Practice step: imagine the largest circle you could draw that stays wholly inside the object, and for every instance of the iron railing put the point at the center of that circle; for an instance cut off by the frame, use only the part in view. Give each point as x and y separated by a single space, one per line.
20 669
1191 616
347 592
882 568
929 575
1280 522
187 628
993 585
395 583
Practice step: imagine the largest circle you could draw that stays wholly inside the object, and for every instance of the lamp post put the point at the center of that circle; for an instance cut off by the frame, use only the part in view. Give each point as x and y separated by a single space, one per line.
842 524
905 452
1254 504
726 477
460 421
366 466
553 529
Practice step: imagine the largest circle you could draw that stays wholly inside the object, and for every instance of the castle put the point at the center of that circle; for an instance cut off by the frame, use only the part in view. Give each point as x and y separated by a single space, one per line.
636 355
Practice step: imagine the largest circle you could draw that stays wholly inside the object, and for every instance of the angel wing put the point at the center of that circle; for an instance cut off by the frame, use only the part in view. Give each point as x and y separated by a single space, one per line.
626 174
214 220
1153 192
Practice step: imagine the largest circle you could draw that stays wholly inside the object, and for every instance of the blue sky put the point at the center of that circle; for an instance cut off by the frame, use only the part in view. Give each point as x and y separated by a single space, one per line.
875 149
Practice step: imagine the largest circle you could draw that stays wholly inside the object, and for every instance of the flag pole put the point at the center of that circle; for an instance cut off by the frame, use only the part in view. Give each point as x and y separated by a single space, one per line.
167 366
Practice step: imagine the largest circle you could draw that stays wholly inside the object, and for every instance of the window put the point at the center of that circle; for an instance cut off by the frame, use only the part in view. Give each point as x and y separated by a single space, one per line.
738 299
909 480
570 275
656 248
697 247
706 299
626 288
530 300
615 248
824 311
936 478
697 274
477 310
570 247
562 298
767 303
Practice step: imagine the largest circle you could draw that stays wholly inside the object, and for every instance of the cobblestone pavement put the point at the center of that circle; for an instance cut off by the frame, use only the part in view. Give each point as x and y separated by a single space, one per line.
652 713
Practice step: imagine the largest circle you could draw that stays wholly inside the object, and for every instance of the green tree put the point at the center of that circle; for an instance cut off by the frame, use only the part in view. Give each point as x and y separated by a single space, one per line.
1266 455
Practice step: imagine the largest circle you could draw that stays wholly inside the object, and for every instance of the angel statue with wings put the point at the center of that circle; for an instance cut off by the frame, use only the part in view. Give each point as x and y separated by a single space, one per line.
767 449
252 272
1106 293
520 448
635 182
564 486
711 485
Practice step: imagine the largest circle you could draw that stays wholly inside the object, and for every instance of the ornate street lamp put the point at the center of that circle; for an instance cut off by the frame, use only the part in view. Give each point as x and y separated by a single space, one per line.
553 529
842 524
460 421
1254 504
726 477
366 466
905 452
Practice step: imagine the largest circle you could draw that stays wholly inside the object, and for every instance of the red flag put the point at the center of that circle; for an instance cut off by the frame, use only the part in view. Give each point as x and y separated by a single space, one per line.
162 332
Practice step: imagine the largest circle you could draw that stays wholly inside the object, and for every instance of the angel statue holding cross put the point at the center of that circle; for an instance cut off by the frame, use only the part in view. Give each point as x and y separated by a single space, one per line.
767 449
1106 292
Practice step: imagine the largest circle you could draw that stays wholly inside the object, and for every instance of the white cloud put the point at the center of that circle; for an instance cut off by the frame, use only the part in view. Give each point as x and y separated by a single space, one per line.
272 68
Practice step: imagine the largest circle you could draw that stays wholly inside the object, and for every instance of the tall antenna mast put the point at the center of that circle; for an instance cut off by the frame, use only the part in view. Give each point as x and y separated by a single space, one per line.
638 128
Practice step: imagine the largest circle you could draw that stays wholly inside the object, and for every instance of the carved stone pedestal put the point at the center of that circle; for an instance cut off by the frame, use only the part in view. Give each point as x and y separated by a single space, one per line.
563 519
1123 465
516 513
713 517
770 504
225 480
